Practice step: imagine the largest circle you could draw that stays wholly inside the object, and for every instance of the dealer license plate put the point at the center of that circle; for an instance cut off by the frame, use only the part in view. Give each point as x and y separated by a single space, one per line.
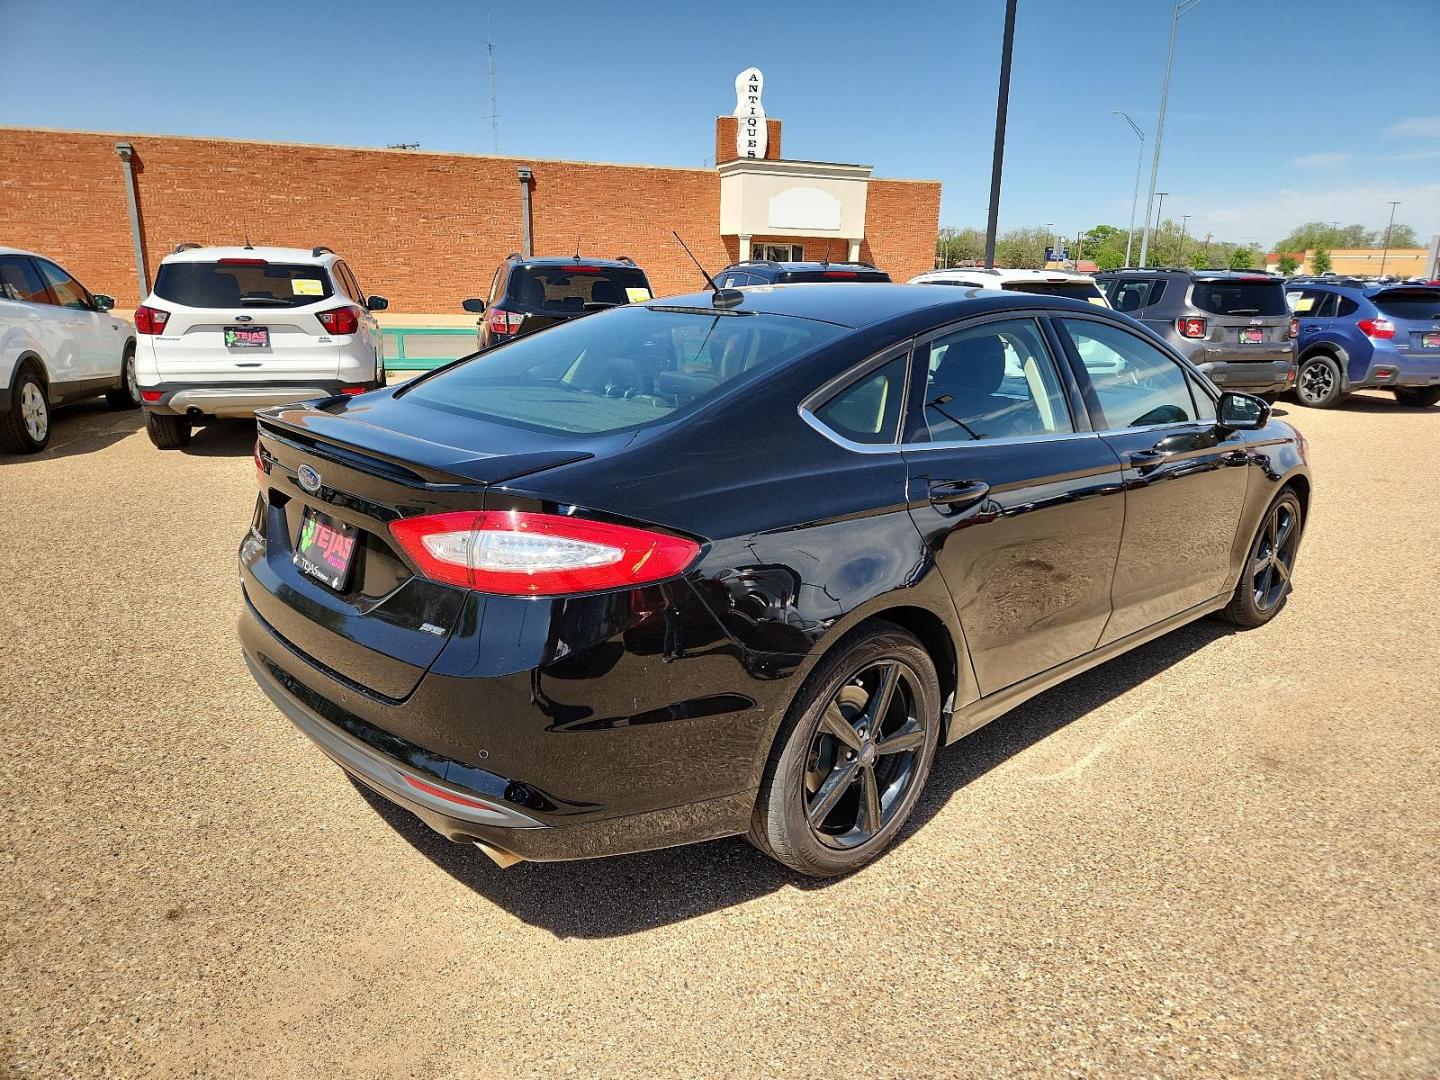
247 337
1251 335
326 548
1430 341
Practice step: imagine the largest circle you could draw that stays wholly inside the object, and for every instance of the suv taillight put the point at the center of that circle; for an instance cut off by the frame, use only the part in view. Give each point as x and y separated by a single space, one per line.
149 320
1190 326
1294 330
1377 328
514 553
501 321
340 320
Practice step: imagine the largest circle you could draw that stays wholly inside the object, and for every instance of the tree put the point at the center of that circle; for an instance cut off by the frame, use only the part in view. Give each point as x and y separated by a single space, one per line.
954 246
1401 236
1023 248
1320 264
1288 263
1241 259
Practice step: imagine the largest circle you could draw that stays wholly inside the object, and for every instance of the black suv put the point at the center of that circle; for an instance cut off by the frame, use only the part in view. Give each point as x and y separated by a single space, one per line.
1233 325
768 272
530 294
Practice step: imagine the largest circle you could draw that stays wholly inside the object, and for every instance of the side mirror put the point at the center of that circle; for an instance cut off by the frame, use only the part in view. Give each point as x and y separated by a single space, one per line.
474 306
103 302
1242 412
376 303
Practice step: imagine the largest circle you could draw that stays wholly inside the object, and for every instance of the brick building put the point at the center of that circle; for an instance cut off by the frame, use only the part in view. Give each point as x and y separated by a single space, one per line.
428 229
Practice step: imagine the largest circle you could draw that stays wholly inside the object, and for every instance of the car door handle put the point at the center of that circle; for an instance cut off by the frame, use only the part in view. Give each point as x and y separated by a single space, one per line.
1144 458
957 492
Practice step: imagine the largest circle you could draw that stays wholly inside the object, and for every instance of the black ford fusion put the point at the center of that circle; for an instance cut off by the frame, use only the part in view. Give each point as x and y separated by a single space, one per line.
738 563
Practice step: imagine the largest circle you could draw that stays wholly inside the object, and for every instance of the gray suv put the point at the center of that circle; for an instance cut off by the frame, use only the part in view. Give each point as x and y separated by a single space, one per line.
1233 325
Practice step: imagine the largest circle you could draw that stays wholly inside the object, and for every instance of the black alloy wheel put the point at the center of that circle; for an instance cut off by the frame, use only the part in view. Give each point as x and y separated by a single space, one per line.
1265 583
1318 383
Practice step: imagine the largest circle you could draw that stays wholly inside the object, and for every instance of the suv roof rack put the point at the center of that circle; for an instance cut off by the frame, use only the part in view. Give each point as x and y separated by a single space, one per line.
316 252
183 247
757 262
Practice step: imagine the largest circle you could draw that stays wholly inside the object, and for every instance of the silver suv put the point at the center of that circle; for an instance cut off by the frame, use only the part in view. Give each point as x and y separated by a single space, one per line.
1233 325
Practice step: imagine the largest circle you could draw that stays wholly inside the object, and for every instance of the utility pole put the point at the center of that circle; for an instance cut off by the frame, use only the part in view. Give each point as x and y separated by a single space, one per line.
1184 234
1181 8
1158 222
494 114
1386 253
1135 198
1002 107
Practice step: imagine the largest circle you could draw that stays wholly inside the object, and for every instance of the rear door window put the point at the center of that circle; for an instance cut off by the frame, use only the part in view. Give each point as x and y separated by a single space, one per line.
1130 296
242 283
868 410
19 280
566 290
1421 304
1240 297
68 292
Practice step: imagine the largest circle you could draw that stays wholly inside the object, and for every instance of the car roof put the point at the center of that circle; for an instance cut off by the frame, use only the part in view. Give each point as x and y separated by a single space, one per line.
1217 274
1005 273
801 266
866 303
573 260
269 254
22 251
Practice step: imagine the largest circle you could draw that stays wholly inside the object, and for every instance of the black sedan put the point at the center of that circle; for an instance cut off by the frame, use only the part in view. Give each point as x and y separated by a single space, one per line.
738 563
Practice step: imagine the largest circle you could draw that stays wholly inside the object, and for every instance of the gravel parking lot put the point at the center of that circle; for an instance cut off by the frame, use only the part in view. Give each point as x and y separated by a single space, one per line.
1214 856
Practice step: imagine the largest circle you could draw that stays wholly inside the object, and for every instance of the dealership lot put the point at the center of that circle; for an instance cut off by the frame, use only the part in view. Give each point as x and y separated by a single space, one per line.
1214 855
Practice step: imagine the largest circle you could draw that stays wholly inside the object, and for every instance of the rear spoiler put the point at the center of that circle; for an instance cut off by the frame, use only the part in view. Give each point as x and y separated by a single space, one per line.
396 456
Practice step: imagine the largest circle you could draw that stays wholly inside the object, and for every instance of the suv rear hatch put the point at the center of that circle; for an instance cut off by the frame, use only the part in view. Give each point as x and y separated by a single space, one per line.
1415 311
379 626
1242 314
247 320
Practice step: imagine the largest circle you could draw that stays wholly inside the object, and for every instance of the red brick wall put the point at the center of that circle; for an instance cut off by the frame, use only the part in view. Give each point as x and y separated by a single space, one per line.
424 229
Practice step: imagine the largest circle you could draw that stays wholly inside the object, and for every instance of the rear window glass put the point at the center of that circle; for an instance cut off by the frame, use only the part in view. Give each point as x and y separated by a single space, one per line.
564 290
1423 304
212 285
795 276
1240 297
617 370
1076 290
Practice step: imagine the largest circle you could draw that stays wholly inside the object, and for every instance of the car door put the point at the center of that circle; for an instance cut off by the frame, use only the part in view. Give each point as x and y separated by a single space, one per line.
1315 311
88 352
29 317
1020 502
1185 477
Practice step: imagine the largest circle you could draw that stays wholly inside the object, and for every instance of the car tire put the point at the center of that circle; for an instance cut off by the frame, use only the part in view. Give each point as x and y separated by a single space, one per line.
127 394
167 432
1317 383
1265 582
25 429
832 799
1419 398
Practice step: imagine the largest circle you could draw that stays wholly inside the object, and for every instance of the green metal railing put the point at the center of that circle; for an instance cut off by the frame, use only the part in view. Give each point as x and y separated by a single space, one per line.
423 348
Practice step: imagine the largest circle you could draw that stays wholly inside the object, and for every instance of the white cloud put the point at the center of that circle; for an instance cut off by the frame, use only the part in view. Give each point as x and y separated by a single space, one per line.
1415 127
1325 157
1265 217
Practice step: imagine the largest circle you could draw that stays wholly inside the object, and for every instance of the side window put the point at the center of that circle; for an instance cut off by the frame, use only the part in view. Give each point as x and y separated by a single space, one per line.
1157 290
733 280
495 283
68 292
1130 296
1348 307
1204 404
996 380
868 410
1326 306
355 284
19 280
1137 384
342 280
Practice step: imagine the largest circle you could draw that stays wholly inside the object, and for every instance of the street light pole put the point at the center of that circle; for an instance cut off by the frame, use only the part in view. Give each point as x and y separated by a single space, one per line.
1158 220
1002 107
1050 235
1386 253
1181 7
1184 234
1135 198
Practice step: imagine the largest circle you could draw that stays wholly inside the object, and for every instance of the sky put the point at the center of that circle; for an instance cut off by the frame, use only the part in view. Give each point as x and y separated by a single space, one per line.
1280 112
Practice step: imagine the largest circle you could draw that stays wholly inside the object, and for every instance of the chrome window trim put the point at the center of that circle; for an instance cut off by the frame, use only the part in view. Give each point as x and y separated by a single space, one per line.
831 387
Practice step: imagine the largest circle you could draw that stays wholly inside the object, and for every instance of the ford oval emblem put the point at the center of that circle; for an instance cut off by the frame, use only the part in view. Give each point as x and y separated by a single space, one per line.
309 478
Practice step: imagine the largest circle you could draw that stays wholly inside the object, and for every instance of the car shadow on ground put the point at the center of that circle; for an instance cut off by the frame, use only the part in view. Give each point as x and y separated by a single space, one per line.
83 428
627 894
223 438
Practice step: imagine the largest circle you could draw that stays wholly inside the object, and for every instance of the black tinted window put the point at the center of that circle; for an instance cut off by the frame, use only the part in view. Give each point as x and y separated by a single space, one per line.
1420 304
618 369
1348 307
1076 290
868 411
1129 295
19 280
1240 297
565 290
225 284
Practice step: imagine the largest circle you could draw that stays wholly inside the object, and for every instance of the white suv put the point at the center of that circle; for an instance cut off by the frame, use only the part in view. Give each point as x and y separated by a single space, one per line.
228 330
57 344
1045 282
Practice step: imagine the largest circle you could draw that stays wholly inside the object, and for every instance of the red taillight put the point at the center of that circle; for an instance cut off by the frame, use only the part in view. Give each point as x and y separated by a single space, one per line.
260 470
1377 328
351 391
340 320
522 554
242 262
501 321
840 274
151 395
1190 326
149 320
448 796
581 269
1294 330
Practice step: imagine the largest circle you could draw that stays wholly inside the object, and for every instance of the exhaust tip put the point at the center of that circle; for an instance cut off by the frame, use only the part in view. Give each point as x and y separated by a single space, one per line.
503 859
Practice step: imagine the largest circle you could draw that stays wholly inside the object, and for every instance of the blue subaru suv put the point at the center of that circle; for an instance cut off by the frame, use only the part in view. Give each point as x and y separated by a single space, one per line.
1354 336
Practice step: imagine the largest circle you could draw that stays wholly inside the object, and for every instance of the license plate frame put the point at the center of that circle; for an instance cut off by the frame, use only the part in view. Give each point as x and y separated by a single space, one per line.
1252 335
246 337
325 548
1430 339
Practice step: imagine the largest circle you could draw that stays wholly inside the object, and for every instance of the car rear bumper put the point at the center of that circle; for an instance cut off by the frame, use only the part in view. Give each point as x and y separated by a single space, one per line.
236 399
1251 376
1401 370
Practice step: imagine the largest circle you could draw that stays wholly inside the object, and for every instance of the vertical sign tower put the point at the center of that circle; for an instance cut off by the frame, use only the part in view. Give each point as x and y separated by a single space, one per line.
751 134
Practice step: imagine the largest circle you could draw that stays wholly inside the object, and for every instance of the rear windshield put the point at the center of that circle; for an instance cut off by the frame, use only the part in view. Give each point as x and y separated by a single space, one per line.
617 370
565 290
1240 297
1077 290
795 276
1422 304
219 284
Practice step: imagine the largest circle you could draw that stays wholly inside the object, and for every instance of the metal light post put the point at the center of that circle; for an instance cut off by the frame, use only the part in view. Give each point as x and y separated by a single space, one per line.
1386 253
1002 106
1158 219
1181 8
1135 198
1050 232
1184 234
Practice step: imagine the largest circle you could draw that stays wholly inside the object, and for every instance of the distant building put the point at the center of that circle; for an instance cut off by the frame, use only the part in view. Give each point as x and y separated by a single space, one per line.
1365 262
